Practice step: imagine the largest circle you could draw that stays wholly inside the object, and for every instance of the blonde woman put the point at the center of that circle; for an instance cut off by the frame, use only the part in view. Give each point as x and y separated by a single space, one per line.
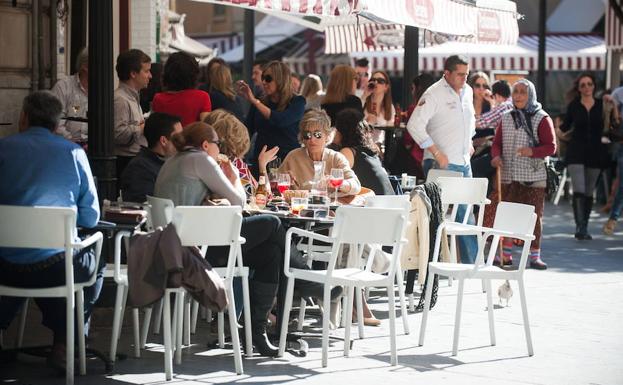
276 116
312 91
341 92
222 92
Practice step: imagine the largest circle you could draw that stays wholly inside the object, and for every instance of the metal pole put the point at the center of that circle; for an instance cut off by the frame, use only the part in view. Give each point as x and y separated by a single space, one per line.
540 81
249 45
101 85
411 59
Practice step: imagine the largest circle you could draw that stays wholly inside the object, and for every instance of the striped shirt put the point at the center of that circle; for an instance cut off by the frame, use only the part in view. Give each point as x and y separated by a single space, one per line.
492 118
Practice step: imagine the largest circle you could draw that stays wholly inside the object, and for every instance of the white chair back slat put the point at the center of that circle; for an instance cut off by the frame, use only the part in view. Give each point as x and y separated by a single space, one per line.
435 173
37 227
511 217
469 191
355 225
160 212
207 225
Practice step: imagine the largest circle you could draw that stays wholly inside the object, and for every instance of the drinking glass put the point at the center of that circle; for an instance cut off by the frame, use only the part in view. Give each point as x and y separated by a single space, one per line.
297 205
336 179
283 183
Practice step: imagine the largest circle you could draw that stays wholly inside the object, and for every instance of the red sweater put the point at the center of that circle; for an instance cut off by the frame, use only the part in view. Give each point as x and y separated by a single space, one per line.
186 104
547 144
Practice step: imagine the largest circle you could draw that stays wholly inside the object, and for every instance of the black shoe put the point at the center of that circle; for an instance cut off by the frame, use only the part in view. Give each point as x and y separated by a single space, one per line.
538 264
263 345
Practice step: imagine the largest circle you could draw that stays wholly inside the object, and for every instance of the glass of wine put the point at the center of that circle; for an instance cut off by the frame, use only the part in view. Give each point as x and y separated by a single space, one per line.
283 183
336 179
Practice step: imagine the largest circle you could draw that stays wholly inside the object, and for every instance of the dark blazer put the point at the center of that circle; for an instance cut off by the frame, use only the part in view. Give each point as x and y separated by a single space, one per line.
585 145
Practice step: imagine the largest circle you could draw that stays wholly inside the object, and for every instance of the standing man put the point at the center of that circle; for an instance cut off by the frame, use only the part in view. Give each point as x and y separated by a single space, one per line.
139 177
134 72
362 68
256 77
39 168
443 124
73 92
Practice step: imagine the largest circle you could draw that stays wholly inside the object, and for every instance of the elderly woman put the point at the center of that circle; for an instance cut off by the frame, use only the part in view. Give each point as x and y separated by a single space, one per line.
314 134
523 139
274 117
192 176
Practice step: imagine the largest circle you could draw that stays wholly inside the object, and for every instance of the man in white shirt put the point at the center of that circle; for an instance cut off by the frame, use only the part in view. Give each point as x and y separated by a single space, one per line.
73 92
443 124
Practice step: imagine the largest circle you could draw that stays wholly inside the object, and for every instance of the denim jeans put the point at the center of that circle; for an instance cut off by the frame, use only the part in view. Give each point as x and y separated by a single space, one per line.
617 206
468 244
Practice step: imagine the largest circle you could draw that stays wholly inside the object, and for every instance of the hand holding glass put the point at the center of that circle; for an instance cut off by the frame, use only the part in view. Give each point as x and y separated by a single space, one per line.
336 179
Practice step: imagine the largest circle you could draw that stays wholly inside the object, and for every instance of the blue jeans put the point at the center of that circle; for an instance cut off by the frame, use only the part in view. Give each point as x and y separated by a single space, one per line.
617 206
468 245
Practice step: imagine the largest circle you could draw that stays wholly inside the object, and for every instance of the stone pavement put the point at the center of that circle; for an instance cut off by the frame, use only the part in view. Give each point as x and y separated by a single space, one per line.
576 314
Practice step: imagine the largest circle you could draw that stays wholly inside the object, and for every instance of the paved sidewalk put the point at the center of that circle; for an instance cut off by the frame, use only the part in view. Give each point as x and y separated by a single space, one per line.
576 314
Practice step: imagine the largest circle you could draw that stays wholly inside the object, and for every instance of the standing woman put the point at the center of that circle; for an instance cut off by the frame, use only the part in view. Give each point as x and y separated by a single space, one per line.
523 139
586 155
479 82
221 90
181 98
379 109
276 116
312 91
341 92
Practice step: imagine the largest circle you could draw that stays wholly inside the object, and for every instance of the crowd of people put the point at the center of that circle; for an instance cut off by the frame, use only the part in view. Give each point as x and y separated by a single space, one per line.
459 122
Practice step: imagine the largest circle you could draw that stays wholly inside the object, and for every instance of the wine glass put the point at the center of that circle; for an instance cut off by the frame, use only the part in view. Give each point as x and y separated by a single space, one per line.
283 183
336 179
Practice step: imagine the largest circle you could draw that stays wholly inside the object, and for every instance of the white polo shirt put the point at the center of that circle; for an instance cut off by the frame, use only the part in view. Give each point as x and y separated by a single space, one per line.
445 119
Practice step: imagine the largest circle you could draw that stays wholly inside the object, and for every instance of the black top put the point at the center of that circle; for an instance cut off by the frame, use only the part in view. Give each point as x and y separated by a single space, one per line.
332 109
139 177
219 100
585 145
370 171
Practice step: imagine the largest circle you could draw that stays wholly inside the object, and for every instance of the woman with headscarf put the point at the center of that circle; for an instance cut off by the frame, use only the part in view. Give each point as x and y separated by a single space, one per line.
524 138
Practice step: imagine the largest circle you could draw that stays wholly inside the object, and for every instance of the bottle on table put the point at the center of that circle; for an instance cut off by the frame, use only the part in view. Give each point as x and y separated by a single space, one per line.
261 193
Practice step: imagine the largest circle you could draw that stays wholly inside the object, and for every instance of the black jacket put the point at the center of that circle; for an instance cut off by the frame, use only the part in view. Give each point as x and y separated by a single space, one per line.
139 177
585 145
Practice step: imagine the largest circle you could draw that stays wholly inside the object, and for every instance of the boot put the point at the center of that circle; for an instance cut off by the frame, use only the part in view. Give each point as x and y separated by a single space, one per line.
262 295
588 208
579 212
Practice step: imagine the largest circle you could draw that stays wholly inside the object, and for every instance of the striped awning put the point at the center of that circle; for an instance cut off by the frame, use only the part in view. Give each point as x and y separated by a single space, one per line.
614 30
299 62
564 52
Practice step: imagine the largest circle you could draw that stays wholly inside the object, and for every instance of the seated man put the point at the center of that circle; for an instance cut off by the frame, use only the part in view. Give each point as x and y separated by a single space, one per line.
39 168
139 177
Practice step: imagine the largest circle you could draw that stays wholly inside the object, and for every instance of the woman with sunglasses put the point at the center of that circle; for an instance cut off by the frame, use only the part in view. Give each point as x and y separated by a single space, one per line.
479 81
192 177
379 109
586 155
314 136
341 92
276 116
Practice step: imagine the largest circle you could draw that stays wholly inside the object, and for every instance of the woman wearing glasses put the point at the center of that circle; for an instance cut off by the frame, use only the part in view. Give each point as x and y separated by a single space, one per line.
378 108
314 136
586 155
479 81
276 116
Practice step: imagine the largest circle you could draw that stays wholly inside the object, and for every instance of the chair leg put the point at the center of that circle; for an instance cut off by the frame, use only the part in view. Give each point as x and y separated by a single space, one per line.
168 344
69 347
487 283
158 319
146 323
116 323
187 306
524 312
246 304
137 333
80 333
179 334
403 306
326 299
233 327
350 290
427 299
221 329
411 302
193 317
457 317
286 315
22 324
453 255
358 295
392 324
299 323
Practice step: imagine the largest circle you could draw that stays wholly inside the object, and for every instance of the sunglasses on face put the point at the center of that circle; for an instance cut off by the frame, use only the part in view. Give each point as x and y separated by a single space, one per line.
378 80
217 142
307 135
481 85
583 85
267 78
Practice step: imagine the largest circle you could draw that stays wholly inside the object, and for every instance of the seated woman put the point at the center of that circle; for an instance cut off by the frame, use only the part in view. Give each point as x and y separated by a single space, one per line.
192 176
314 134
354 141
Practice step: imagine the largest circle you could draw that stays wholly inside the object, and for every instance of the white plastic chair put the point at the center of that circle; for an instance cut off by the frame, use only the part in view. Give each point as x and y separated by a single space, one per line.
435 173
512 220
52 228
354 226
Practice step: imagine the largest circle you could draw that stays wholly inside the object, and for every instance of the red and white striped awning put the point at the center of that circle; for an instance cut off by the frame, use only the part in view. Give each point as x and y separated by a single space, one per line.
564 52
299 62
614 30
222 43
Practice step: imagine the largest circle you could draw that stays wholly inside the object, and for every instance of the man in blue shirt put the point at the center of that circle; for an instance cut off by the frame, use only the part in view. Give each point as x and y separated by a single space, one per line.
39 168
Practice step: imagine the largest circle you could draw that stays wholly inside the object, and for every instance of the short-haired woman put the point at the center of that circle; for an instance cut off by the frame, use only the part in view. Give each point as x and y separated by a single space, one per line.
181 98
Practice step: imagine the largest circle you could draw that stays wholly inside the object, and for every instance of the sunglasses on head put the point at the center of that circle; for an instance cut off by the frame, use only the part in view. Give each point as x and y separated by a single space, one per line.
307 135
378 80
267 78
